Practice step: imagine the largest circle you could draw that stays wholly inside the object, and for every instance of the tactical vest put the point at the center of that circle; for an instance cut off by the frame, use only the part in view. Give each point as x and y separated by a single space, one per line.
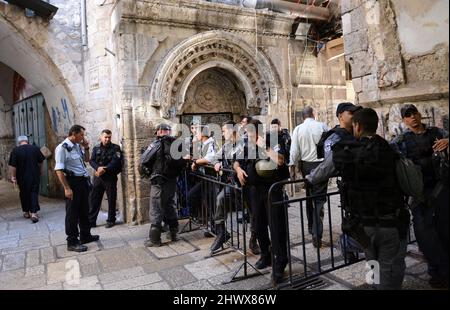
420 150
370 187
341 132
164 165
104 155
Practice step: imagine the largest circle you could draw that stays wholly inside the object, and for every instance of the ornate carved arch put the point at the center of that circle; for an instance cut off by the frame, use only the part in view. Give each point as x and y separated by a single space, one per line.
208 50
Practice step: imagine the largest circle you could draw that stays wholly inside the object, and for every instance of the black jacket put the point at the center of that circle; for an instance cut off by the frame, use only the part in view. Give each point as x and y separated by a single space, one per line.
109 156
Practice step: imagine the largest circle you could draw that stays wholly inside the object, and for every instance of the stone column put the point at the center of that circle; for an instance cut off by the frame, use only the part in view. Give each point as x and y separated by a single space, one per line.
129 177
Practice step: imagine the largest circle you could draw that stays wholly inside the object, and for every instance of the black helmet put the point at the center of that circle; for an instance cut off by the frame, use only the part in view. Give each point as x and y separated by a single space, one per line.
266 168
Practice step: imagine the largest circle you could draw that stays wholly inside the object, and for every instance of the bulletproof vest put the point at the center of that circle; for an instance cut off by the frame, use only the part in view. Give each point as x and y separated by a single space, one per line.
419 148
164 165
104 155
367 168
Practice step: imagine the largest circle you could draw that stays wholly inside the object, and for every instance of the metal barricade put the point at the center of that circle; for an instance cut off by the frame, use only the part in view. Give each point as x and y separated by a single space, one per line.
201 212
305 262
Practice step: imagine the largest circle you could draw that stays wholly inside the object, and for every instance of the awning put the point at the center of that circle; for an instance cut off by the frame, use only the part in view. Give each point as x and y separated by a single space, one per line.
41 8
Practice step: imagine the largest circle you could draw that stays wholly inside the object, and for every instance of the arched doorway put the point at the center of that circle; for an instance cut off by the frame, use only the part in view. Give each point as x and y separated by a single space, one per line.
225 58
44 124
212 97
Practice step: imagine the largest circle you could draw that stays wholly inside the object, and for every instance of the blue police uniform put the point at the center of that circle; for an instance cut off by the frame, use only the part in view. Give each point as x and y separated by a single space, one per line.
69 159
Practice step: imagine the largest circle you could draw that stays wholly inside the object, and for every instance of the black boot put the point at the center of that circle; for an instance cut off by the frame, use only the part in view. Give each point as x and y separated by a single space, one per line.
264 261
278 271
253 244
154 237
222 237
173 232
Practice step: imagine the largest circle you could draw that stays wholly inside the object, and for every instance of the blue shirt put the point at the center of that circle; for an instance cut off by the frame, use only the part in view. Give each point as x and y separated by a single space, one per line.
70 158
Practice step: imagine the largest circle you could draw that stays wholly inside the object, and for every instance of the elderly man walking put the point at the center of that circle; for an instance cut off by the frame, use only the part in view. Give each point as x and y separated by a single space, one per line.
25 165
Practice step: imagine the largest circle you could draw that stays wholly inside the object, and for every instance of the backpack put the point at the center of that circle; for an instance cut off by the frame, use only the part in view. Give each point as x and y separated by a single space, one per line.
147 159
409 177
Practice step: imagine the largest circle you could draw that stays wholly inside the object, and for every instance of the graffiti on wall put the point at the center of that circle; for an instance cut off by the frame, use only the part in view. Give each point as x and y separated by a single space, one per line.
61 118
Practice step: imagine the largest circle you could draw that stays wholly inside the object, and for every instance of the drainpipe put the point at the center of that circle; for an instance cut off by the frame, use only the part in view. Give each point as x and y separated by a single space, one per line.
290 103
84 41
298 9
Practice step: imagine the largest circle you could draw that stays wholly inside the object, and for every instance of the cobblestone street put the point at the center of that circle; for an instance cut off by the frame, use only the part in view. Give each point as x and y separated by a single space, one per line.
34 256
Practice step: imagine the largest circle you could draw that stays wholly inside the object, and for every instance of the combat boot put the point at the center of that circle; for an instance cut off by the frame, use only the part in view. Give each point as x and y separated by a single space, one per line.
154 237
278 271
264 261
173 233
253 244
222 237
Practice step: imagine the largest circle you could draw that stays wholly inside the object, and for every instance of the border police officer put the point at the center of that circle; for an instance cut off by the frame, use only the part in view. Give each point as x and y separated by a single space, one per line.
224 160
165 169
376 215
259 174
422 144
106 160
70 156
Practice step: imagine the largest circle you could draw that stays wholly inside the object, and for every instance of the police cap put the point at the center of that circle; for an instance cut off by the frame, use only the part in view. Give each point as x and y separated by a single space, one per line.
347 106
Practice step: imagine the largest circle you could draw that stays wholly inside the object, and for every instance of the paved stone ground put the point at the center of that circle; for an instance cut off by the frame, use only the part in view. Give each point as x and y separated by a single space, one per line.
34 256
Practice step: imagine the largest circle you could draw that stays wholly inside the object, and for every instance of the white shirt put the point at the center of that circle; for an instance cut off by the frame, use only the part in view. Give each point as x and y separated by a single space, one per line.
304 140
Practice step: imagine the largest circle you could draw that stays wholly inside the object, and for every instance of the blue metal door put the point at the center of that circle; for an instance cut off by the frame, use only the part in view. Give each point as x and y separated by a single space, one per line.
29 120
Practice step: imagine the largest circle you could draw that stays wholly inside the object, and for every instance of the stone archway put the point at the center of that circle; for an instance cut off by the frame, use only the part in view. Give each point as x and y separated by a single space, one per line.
214 90
216 50
41 63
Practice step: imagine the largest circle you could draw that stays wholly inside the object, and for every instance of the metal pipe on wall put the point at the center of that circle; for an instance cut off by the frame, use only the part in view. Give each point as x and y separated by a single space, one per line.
301 10
84 39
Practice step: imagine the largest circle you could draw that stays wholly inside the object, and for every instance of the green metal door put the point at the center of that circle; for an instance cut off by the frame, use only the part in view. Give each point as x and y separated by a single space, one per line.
29 120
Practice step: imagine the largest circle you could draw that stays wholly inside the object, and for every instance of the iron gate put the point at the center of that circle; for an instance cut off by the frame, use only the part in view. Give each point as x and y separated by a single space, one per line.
29 120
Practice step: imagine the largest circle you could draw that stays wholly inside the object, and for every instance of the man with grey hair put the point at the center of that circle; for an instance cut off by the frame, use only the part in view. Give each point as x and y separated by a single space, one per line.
305 138
25 165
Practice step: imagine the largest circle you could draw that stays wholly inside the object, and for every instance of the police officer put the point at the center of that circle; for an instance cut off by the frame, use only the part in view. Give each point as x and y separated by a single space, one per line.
283 135
243 140
341 132
165 166
204 151
376 215
70 167
106 160
423 144
224 160
261 167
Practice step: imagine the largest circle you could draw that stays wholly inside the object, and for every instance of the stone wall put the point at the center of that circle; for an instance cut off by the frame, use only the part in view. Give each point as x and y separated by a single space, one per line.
48 55
317 82
162 46
398 52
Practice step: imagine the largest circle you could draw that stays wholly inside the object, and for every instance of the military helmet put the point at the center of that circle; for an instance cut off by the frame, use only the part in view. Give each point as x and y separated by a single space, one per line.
266 168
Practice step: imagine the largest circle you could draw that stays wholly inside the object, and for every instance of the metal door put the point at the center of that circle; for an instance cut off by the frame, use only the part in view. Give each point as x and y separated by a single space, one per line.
29 120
